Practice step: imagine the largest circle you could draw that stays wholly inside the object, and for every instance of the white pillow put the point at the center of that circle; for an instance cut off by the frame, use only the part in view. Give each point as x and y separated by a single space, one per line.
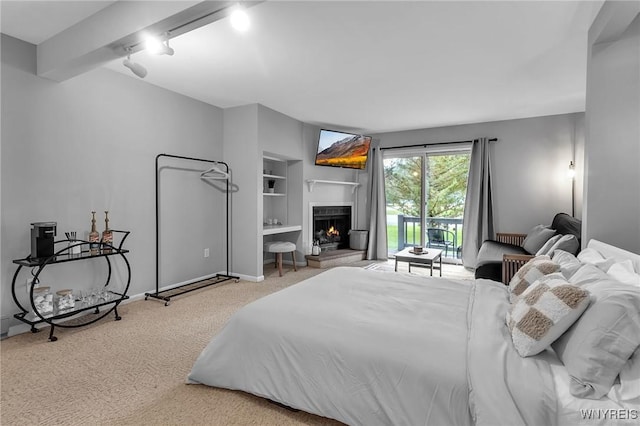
594 257
569 264
629 387
545 248
597 347
624 272
587 274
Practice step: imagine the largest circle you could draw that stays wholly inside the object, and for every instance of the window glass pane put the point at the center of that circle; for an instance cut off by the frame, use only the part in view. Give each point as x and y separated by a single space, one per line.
403 188
446 189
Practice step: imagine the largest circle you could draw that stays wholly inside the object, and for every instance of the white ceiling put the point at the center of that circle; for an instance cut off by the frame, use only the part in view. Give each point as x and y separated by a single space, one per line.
369 66
37 21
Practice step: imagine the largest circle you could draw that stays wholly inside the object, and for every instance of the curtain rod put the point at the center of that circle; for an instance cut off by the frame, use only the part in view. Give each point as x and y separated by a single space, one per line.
424 145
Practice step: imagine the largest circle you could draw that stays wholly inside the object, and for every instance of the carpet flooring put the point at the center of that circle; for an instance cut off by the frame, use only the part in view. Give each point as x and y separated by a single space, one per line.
133 371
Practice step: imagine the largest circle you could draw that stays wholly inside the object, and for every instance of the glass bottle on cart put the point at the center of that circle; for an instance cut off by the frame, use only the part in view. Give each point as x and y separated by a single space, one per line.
107 235
94 236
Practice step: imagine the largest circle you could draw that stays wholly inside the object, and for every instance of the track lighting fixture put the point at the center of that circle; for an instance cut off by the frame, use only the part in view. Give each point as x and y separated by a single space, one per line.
135 68
156 46
160 45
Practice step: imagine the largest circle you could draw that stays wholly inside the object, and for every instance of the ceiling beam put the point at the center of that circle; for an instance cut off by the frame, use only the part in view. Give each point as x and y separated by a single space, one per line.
612 20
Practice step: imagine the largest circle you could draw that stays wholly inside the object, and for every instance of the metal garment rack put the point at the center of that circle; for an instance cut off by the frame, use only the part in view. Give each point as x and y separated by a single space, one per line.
167 294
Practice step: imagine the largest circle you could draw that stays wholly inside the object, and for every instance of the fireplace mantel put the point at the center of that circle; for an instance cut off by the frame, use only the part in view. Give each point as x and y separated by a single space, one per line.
312 182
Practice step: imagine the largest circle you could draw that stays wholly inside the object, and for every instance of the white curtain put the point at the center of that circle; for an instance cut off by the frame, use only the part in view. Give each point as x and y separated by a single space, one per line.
478 207
377 248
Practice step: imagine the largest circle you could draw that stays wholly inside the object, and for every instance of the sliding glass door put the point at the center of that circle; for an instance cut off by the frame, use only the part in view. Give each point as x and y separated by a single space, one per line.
425 194
403 178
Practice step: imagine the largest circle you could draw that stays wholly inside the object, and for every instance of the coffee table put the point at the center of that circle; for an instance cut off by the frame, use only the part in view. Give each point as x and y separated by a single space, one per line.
427 258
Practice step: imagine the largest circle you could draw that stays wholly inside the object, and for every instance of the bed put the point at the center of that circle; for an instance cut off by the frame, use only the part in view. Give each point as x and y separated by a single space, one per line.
384 348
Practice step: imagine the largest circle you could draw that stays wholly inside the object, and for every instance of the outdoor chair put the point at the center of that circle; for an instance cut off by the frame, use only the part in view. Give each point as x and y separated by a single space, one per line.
442 239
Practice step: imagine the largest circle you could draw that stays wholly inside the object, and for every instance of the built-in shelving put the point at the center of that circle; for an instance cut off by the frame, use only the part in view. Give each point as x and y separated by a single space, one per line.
275 170
266 176
282 206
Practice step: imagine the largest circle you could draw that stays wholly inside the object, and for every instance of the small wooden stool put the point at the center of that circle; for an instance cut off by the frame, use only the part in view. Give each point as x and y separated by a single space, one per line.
279 247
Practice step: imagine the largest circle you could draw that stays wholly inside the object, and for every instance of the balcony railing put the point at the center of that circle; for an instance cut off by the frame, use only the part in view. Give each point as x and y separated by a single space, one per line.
409 229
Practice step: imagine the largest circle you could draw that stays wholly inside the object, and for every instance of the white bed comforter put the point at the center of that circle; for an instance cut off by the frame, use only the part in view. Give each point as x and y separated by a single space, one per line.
382 348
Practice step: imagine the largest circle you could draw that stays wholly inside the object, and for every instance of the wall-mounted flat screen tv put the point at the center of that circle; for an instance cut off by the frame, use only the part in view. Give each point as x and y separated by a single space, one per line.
339 149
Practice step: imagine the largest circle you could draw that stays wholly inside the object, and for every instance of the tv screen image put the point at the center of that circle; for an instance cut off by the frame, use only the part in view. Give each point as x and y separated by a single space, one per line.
339 149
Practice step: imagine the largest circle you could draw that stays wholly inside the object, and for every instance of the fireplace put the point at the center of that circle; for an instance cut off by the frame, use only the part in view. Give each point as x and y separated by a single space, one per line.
331 225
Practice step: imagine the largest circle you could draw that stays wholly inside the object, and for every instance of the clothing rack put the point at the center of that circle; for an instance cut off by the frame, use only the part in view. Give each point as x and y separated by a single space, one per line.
167 294
424 145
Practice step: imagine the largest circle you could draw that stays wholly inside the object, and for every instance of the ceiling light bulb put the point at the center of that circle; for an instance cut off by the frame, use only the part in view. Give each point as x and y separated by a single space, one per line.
153 45
240 20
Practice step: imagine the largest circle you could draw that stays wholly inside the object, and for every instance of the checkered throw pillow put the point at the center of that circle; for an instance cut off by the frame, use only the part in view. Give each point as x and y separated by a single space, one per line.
530 272
545 310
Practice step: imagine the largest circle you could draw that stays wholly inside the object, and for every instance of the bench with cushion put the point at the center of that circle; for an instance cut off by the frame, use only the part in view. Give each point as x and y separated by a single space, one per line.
501 258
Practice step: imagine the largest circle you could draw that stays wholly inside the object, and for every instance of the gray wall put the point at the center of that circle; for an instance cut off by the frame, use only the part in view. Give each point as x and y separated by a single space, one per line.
612 151
579 161
241 153
279 133
530 161
89 144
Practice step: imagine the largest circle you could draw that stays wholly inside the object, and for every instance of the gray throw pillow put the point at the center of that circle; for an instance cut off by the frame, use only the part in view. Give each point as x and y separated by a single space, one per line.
536 238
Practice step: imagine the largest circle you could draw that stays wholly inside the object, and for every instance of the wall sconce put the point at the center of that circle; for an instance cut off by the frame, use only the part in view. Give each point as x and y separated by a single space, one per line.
135 68
571 171
571 174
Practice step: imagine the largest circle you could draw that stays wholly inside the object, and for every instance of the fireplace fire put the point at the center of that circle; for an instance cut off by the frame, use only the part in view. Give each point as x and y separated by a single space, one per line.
329 239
